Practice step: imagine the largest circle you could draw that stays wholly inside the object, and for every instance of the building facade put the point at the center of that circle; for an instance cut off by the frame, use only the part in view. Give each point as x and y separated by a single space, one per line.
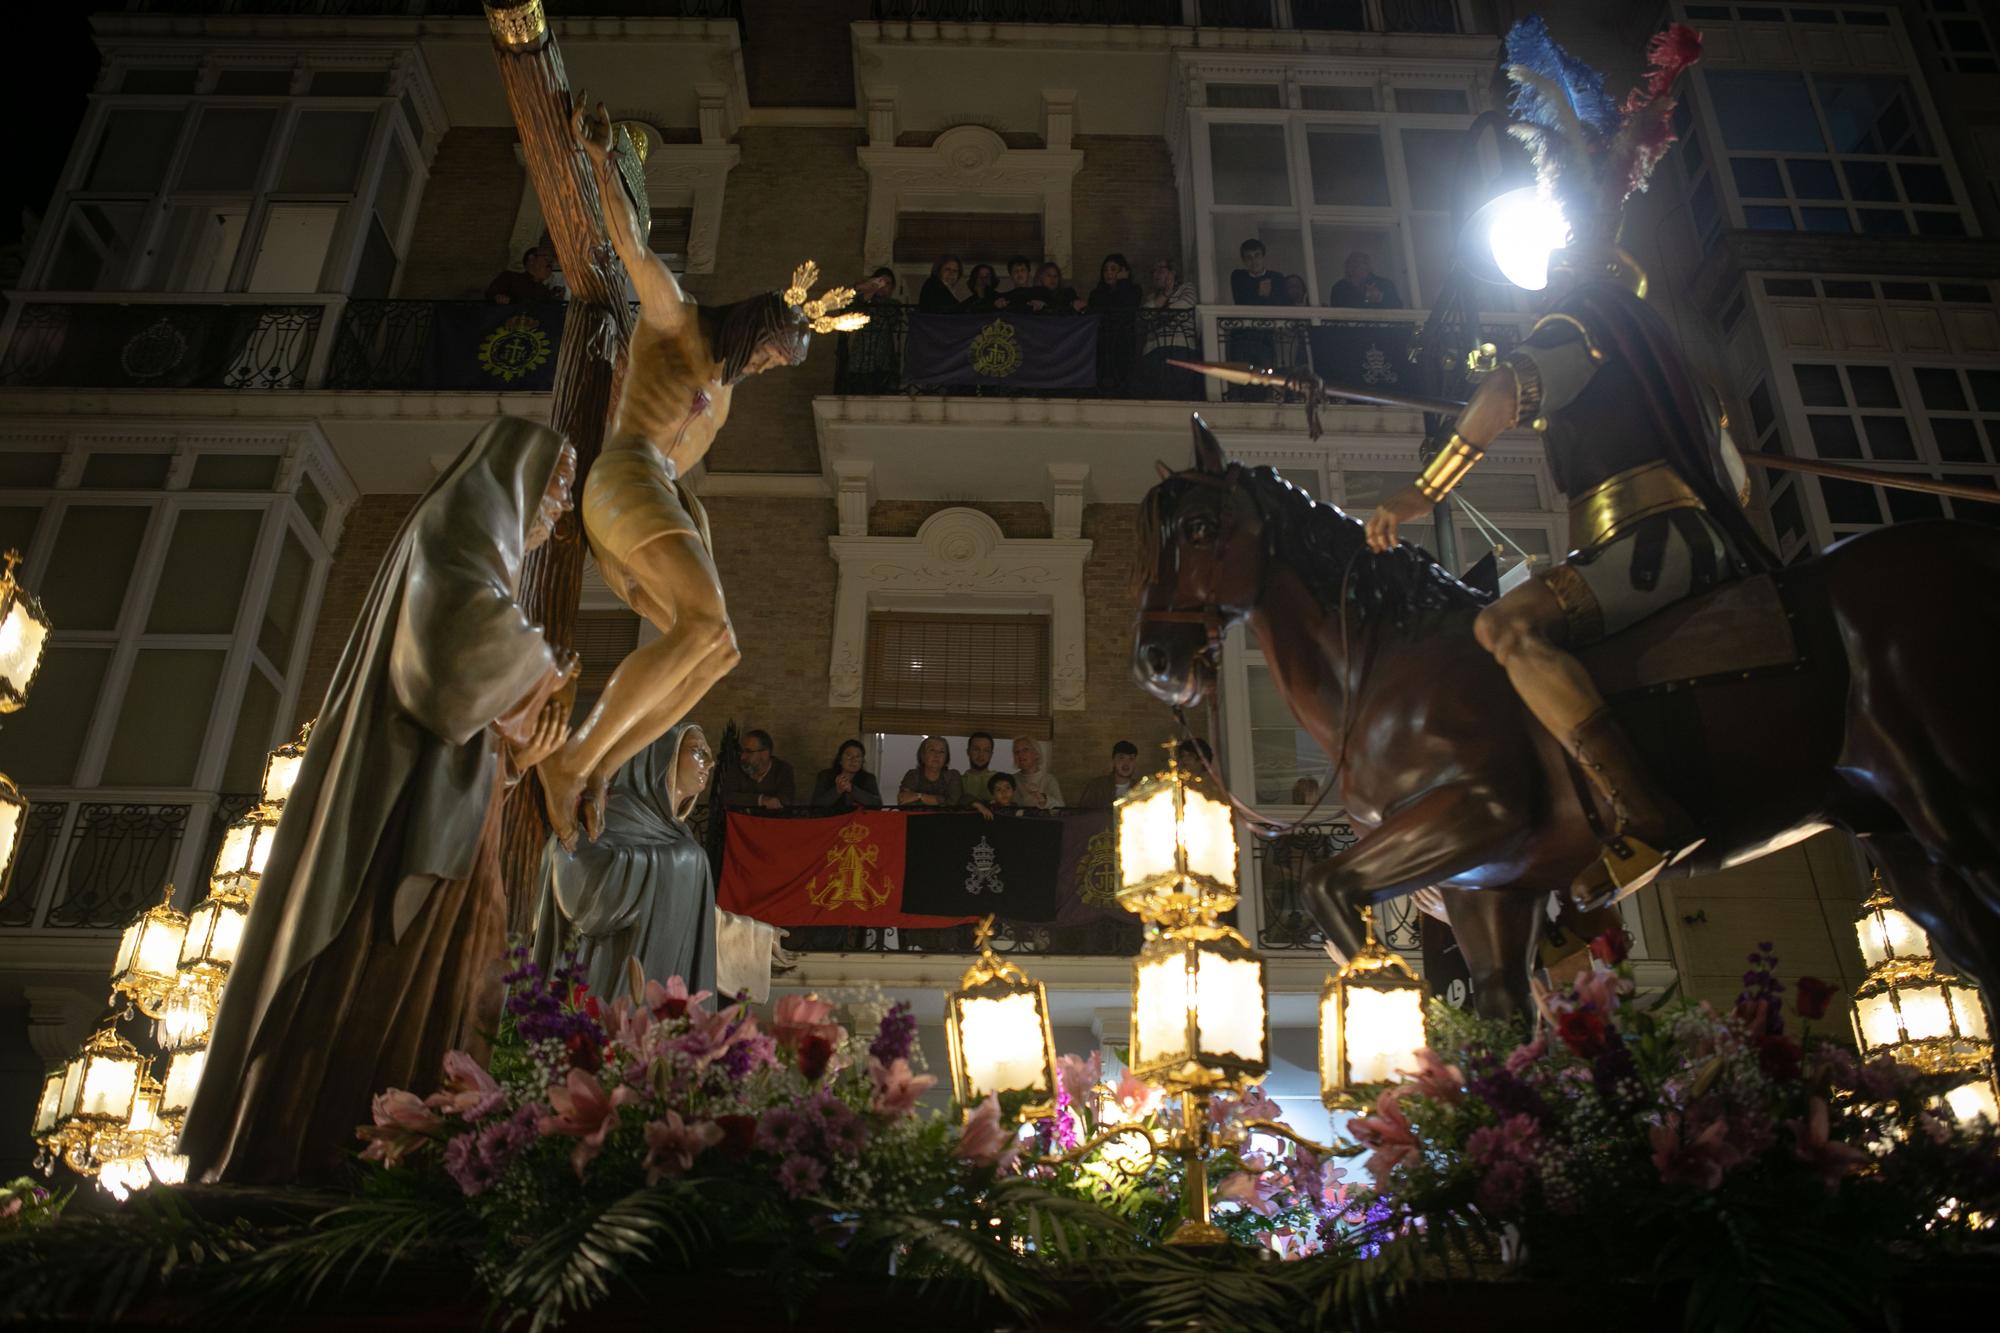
222 384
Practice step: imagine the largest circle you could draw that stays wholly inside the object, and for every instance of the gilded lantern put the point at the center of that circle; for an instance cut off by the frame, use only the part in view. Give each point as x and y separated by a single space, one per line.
1198 1013
997 1030
24 635
246 847
49 1105
149 957
108 1081
183 1075
281 769
1887 935
1176 849
13 824
1371 1021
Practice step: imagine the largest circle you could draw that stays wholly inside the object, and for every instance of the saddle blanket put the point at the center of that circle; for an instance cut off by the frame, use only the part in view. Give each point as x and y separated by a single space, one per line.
1737 627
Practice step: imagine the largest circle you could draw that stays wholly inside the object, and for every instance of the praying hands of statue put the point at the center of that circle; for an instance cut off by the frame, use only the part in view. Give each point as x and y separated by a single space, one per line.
550 730
526 726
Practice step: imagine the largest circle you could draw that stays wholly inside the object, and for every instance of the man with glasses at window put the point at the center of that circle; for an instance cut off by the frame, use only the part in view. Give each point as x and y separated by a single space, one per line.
761 781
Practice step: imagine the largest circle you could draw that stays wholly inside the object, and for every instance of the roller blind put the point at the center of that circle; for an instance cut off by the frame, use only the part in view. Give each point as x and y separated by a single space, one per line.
603 638
953 674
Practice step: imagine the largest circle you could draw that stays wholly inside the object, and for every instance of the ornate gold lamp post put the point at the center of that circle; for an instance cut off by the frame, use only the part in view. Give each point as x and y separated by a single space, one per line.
1919 1014
997 1030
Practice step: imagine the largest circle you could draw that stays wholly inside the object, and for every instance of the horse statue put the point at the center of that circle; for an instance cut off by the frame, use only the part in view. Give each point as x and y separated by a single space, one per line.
1854 690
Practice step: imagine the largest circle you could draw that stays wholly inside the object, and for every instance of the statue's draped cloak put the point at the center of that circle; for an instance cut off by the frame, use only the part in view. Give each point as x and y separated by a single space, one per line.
399 783
642 890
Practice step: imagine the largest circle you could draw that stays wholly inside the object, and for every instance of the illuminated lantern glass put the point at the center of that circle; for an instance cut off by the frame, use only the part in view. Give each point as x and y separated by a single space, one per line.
1973 1099
1371 1022
246 847
72 1089
1176 849
281 770
110 1079
49 1106
168 1168
13 823
997 1030
149 956
1199 1019
183 1076
214 933
1886 934
24 635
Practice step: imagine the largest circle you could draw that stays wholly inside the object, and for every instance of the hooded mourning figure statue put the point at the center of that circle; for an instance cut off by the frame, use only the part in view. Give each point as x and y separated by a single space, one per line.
643 889
373 945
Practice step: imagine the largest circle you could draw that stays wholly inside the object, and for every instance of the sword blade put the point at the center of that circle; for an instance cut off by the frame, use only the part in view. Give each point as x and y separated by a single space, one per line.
1876 477
1236 372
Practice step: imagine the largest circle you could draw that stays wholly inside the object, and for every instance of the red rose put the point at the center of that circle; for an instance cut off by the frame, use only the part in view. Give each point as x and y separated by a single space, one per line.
1584 1032
593 1008
1778 1056
583 1053
739 1134
815 1052
1814 996
1611 948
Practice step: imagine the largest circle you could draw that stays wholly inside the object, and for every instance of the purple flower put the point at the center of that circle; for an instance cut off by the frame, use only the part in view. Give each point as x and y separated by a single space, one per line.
783 1130
1510 1096
800 1176
896 1035
476 1161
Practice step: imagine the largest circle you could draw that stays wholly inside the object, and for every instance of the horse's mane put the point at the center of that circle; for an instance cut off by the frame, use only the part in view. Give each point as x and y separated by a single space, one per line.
1326 548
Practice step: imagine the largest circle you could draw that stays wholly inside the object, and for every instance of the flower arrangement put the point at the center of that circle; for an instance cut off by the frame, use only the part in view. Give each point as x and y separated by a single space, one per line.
1684 1144
26 1205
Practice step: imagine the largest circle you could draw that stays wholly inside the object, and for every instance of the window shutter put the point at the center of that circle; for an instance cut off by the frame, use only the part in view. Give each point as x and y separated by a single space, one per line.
603 638
953 674
977 238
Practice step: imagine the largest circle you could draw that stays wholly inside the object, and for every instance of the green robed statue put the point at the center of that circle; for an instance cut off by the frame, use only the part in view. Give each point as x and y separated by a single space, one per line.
372 946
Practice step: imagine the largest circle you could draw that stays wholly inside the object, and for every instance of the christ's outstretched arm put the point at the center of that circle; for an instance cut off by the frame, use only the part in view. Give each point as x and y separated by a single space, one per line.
662 304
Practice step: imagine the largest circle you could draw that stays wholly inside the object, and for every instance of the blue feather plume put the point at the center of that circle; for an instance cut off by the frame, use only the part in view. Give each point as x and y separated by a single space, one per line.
1530 46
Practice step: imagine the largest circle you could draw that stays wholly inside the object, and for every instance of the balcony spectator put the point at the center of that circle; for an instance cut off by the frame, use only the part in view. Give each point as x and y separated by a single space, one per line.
984 289
940 294
1169 292
1363 288
1295 291
1254 283
1305 791
1102 790
759 780
884 290
869 360
1049 296
847 785
1195 758
1036 786
1000 798
1020 275
933 782
1115 301
978 754
529 286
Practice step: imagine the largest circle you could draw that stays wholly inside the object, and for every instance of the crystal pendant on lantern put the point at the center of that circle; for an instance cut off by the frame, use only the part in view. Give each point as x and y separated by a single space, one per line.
1371 1021
189 1013
24 634
1199 1020
1176 848
997 1032
246 847
281 769
147 969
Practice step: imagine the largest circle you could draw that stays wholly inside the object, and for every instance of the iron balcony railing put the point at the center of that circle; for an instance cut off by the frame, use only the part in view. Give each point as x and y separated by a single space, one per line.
674 9
1439 16
1133 348
1378 352
175 344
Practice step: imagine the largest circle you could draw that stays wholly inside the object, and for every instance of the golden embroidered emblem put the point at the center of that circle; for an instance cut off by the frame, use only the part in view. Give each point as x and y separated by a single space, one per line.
849 879
1097 870
996 352
515 348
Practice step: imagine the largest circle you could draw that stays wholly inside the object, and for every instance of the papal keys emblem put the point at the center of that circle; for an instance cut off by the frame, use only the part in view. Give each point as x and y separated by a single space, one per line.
850 873
996 352
516 348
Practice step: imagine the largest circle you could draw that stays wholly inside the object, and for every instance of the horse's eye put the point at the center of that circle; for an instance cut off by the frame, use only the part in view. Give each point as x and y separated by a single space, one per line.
1200 530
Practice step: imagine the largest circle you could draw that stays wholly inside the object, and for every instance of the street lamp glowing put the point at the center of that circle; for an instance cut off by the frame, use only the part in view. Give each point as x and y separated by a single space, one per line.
1524 228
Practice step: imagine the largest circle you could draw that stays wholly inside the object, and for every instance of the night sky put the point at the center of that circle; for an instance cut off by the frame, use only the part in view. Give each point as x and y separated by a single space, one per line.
54 66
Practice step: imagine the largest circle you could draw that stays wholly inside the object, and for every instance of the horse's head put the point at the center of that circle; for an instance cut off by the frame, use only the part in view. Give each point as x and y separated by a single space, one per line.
1201 567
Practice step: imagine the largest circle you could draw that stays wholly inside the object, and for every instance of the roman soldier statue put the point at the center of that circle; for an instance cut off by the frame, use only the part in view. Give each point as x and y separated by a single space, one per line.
1631 440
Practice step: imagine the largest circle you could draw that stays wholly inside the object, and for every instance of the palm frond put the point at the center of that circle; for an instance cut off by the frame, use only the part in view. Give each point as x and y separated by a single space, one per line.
574 1265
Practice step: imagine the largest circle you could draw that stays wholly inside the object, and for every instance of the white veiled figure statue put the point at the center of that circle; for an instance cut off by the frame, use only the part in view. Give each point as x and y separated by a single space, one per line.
643 889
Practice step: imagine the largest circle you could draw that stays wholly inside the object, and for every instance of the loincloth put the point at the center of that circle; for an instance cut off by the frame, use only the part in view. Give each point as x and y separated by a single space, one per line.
630 499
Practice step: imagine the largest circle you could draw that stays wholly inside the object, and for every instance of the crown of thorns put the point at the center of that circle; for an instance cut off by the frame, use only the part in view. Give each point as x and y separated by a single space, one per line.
818 311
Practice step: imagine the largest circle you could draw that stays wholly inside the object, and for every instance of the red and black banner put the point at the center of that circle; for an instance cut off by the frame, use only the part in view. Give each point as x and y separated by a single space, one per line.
894 868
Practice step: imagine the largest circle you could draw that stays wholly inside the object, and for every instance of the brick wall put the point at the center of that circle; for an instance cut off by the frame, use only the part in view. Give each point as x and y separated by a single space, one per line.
1118 708
364 539
797 194
1124 200
467 214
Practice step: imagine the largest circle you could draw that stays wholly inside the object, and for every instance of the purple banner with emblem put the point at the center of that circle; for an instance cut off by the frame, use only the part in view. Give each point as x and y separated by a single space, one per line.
473 345
1005 350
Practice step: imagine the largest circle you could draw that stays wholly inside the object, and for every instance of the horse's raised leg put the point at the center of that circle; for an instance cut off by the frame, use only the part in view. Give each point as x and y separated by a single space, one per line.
1445 832
1962 923
1499 928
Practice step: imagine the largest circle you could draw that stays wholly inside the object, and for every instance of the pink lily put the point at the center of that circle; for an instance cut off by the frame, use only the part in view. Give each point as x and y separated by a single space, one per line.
1600 988
1523 1058
1388 1132
1136 1097
1078 1076
672 1145
672 1000
402 1124
470 1093
896 1088
1700 1158
1432 1078
796 1017
983 1141
1249 1191
584 1112
1831 1158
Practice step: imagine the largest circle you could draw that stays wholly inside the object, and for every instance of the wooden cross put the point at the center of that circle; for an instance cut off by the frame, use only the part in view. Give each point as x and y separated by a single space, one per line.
589 365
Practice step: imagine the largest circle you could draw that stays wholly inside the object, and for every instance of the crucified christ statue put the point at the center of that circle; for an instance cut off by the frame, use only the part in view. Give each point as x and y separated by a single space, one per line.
647 531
